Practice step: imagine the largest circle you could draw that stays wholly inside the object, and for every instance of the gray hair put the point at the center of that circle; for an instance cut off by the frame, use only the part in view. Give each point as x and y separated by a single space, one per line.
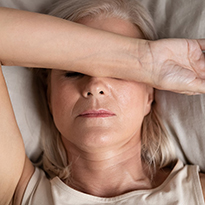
130 10
157 150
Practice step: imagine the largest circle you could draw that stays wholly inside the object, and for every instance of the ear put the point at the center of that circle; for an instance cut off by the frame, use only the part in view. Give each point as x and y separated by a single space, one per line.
150 98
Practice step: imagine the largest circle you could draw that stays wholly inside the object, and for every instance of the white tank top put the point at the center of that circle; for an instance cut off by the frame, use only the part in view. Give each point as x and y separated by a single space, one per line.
182 187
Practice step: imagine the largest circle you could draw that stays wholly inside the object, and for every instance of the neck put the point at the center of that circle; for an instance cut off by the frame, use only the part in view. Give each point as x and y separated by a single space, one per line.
107 173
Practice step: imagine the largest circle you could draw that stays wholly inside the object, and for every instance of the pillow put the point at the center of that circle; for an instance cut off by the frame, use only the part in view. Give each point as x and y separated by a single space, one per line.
28 5
184 119
21 87
183 115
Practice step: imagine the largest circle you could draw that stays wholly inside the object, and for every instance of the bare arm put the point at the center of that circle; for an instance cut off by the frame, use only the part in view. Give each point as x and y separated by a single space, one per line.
36 40
12 156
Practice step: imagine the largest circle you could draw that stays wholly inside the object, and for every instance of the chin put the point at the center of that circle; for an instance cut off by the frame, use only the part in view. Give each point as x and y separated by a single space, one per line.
96 139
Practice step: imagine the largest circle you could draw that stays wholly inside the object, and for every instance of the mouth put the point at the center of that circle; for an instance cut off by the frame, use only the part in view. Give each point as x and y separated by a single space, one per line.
101 113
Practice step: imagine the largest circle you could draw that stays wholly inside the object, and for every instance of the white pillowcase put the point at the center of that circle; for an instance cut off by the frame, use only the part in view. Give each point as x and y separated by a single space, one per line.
183 115
22 90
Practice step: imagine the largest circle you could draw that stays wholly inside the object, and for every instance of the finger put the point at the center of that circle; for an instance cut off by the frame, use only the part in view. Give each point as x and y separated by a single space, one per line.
190 93
182 80
197 58
194 88
201 42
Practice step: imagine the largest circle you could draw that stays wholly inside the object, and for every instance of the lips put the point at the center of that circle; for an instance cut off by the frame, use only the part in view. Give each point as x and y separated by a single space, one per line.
101 113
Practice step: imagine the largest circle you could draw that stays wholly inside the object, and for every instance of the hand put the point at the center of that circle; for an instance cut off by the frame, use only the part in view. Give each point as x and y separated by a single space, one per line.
177 65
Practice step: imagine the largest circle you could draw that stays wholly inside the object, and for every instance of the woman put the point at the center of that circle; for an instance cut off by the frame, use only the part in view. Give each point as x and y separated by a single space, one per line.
98 115
103 12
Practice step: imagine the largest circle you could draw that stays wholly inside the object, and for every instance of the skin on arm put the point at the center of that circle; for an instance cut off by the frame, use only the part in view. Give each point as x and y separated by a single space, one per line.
36 40
180 65
13 159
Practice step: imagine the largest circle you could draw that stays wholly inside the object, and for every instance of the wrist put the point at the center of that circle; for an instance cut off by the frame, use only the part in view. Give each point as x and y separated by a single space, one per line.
144 64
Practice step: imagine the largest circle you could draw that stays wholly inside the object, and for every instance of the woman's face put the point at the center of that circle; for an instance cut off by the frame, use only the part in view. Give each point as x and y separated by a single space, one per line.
94 113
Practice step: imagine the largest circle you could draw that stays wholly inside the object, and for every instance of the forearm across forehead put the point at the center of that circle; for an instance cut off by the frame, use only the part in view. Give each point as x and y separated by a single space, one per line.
36 40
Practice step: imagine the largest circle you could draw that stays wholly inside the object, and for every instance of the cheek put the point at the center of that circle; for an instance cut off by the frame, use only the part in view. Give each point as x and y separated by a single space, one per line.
131 103
132 96
132 100
62 103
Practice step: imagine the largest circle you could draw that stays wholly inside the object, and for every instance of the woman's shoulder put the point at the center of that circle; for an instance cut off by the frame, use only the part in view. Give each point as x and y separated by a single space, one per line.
38 189
202 179
184 179
33 188
27 173
192 180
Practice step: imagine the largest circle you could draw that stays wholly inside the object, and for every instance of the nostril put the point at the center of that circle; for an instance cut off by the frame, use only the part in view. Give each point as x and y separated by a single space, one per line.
91 94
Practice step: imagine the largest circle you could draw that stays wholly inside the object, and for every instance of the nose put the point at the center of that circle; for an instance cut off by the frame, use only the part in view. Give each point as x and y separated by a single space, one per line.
94 86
